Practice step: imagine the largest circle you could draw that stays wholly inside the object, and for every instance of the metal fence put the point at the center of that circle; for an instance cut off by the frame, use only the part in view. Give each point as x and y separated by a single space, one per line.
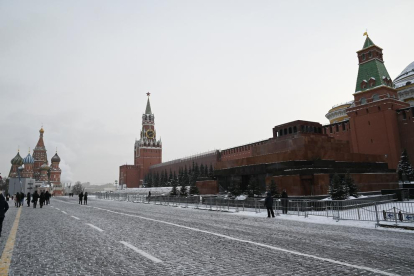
378 209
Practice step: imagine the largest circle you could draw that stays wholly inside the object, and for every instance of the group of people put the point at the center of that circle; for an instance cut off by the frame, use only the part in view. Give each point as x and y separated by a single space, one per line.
43 198
268 203
84 197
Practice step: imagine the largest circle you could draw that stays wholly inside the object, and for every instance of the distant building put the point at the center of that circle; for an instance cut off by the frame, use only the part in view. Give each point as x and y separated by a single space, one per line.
34 172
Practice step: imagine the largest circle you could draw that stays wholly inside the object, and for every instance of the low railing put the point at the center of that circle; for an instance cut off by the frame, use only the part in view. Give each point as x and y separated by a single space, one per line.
378 209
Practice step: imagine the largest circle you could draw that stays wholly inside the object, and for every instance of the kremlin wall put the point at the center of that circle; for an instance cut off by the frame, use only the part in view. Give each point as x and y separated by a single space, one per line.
365 137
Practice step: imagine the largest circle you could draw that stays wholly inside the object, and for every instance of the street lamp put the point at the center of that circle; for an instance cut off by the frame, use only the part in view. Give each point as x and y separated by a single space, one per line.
19 170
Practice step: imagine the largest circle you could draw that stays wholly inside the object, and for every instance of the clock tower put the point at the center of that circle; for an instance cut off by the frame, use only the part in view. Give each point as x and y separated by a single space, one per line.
147 150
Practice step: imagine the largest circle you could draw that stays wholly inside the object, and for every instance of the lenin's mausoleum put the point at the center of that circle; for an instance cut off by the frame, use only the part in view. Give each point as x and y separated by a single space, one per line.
364 137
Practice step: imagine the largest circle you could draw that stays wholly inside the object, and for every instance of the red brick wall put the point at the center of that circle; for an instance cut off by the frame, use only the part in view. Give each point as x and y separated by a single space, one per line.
374 129
207 187
147 158
406 127
297 185
129 175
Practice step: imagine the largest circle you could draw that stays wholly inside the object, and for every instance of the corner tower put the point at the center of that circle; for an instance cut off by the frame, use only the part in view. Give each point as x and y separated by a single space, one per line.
147 150
373 115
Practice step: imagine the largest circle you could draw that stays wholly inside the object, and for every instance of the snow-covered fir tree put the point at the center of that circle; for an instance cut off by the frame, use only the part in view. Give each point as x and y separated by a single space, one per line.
253 187
174 184
405 170
273 188
337 188
350 185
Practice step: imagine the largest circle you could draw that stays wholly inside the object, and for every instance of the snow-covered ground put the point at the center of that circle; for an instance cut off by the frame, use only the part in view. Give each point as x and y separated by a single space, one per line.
325 220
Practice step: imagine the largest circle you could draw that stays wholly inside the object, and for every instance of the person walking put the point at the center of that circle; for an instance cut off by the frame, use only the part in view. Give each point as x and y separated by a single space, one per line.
4 206
85 198
42 199
47 197
21 198
269 205
16 200
7 197
35 199
285 201
149 196
80 198
28 197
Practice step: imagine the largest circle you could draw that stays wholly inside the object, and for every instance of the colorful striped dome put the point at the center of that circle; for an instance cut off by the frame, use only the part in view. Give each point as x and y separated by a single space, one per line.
28 159
17 160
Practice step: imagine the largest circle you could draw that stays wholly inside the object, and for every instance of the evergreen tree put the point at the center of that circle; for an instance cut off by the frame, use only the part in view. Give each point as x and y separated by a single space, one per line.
185 178
253 187
193 188
170 177
174 184
202 170
234 187
206 171
337 188
183 189
157 180
273 188
350 185
165 183
149 181
405 170
211 171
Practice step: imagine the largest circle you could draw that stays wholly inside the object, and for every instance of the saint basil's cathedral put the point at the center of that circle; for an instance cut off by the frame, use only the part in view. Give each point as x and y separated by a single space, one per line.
34 173
365 138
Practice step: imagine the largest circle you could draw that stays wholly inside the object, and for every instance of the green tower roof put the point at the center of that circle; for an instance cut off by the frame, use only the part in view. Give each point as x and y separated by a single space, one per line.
371 69
368 43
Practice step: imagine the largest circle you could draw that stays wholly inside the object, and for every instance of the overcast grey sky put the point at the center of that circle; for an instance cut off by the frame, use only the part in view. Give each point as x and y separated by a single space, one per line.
220 73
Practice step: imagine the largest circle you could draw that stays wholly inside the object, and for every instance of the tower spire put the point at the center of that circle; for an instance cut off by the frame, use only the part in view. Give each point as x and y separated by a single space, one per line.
148 109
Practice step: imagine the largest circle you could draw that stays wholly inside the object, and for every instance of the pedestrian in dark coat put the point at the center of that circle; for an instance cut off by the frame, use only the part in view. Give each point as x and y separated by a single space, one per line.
42 199
85 198
16 199
35 199
21 198
47 197
285 202
28 197
4 206
80 198
269 205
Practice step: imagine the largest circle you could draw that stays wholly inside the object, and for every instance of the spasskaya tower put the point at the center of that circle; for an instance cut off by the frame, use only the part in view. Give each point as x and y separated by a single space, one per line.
147 152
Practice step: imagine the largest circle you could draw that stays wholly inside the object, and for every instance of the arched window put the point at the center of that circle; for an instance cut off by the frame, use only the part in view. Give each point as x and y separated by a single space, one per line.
295 129
290 130
363 101
363 56
375 97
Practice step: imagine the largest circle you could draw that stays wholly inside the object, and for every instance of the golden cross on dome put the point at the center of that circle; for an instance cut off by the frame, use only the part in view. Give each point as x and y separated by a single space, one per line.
148 94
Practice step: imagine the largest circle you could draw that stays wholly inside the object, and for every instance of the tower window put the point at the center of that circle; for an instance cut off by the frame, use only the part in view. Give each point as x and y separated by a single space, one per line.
375 97
363 101
404 115
363 56
369 54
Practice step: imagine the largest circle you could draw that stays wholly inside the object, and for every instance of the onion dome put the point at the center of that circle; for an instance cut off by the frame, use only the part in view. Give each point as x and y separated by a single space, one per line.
406 77
41 131
28 159
17 160
56 158
44 167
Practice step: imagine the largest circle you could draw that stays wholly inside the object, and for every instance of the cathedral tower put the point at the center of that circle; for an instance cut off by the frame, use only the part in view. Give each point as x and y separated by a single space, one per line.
373 116
55 170
28 162
39 155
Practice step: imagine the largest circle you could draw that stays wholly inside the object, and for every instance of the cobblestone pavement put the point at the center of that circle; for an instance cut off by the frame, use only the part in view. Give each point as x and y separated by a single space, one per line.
66 238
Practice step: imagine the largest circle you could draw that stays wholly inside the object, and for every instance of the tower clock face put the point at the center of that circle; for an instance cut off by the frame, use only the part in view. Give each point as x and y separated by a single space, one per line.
150 133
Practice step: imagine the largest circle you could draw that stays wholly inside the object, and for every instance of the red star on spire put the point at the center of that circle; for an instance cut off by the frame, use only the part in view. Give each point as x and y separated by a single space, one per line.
148 94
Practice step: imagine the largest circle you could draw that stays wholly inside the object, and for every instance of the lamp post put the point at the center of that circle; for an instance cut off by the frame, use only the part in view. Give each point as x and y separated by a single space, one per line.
19 170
